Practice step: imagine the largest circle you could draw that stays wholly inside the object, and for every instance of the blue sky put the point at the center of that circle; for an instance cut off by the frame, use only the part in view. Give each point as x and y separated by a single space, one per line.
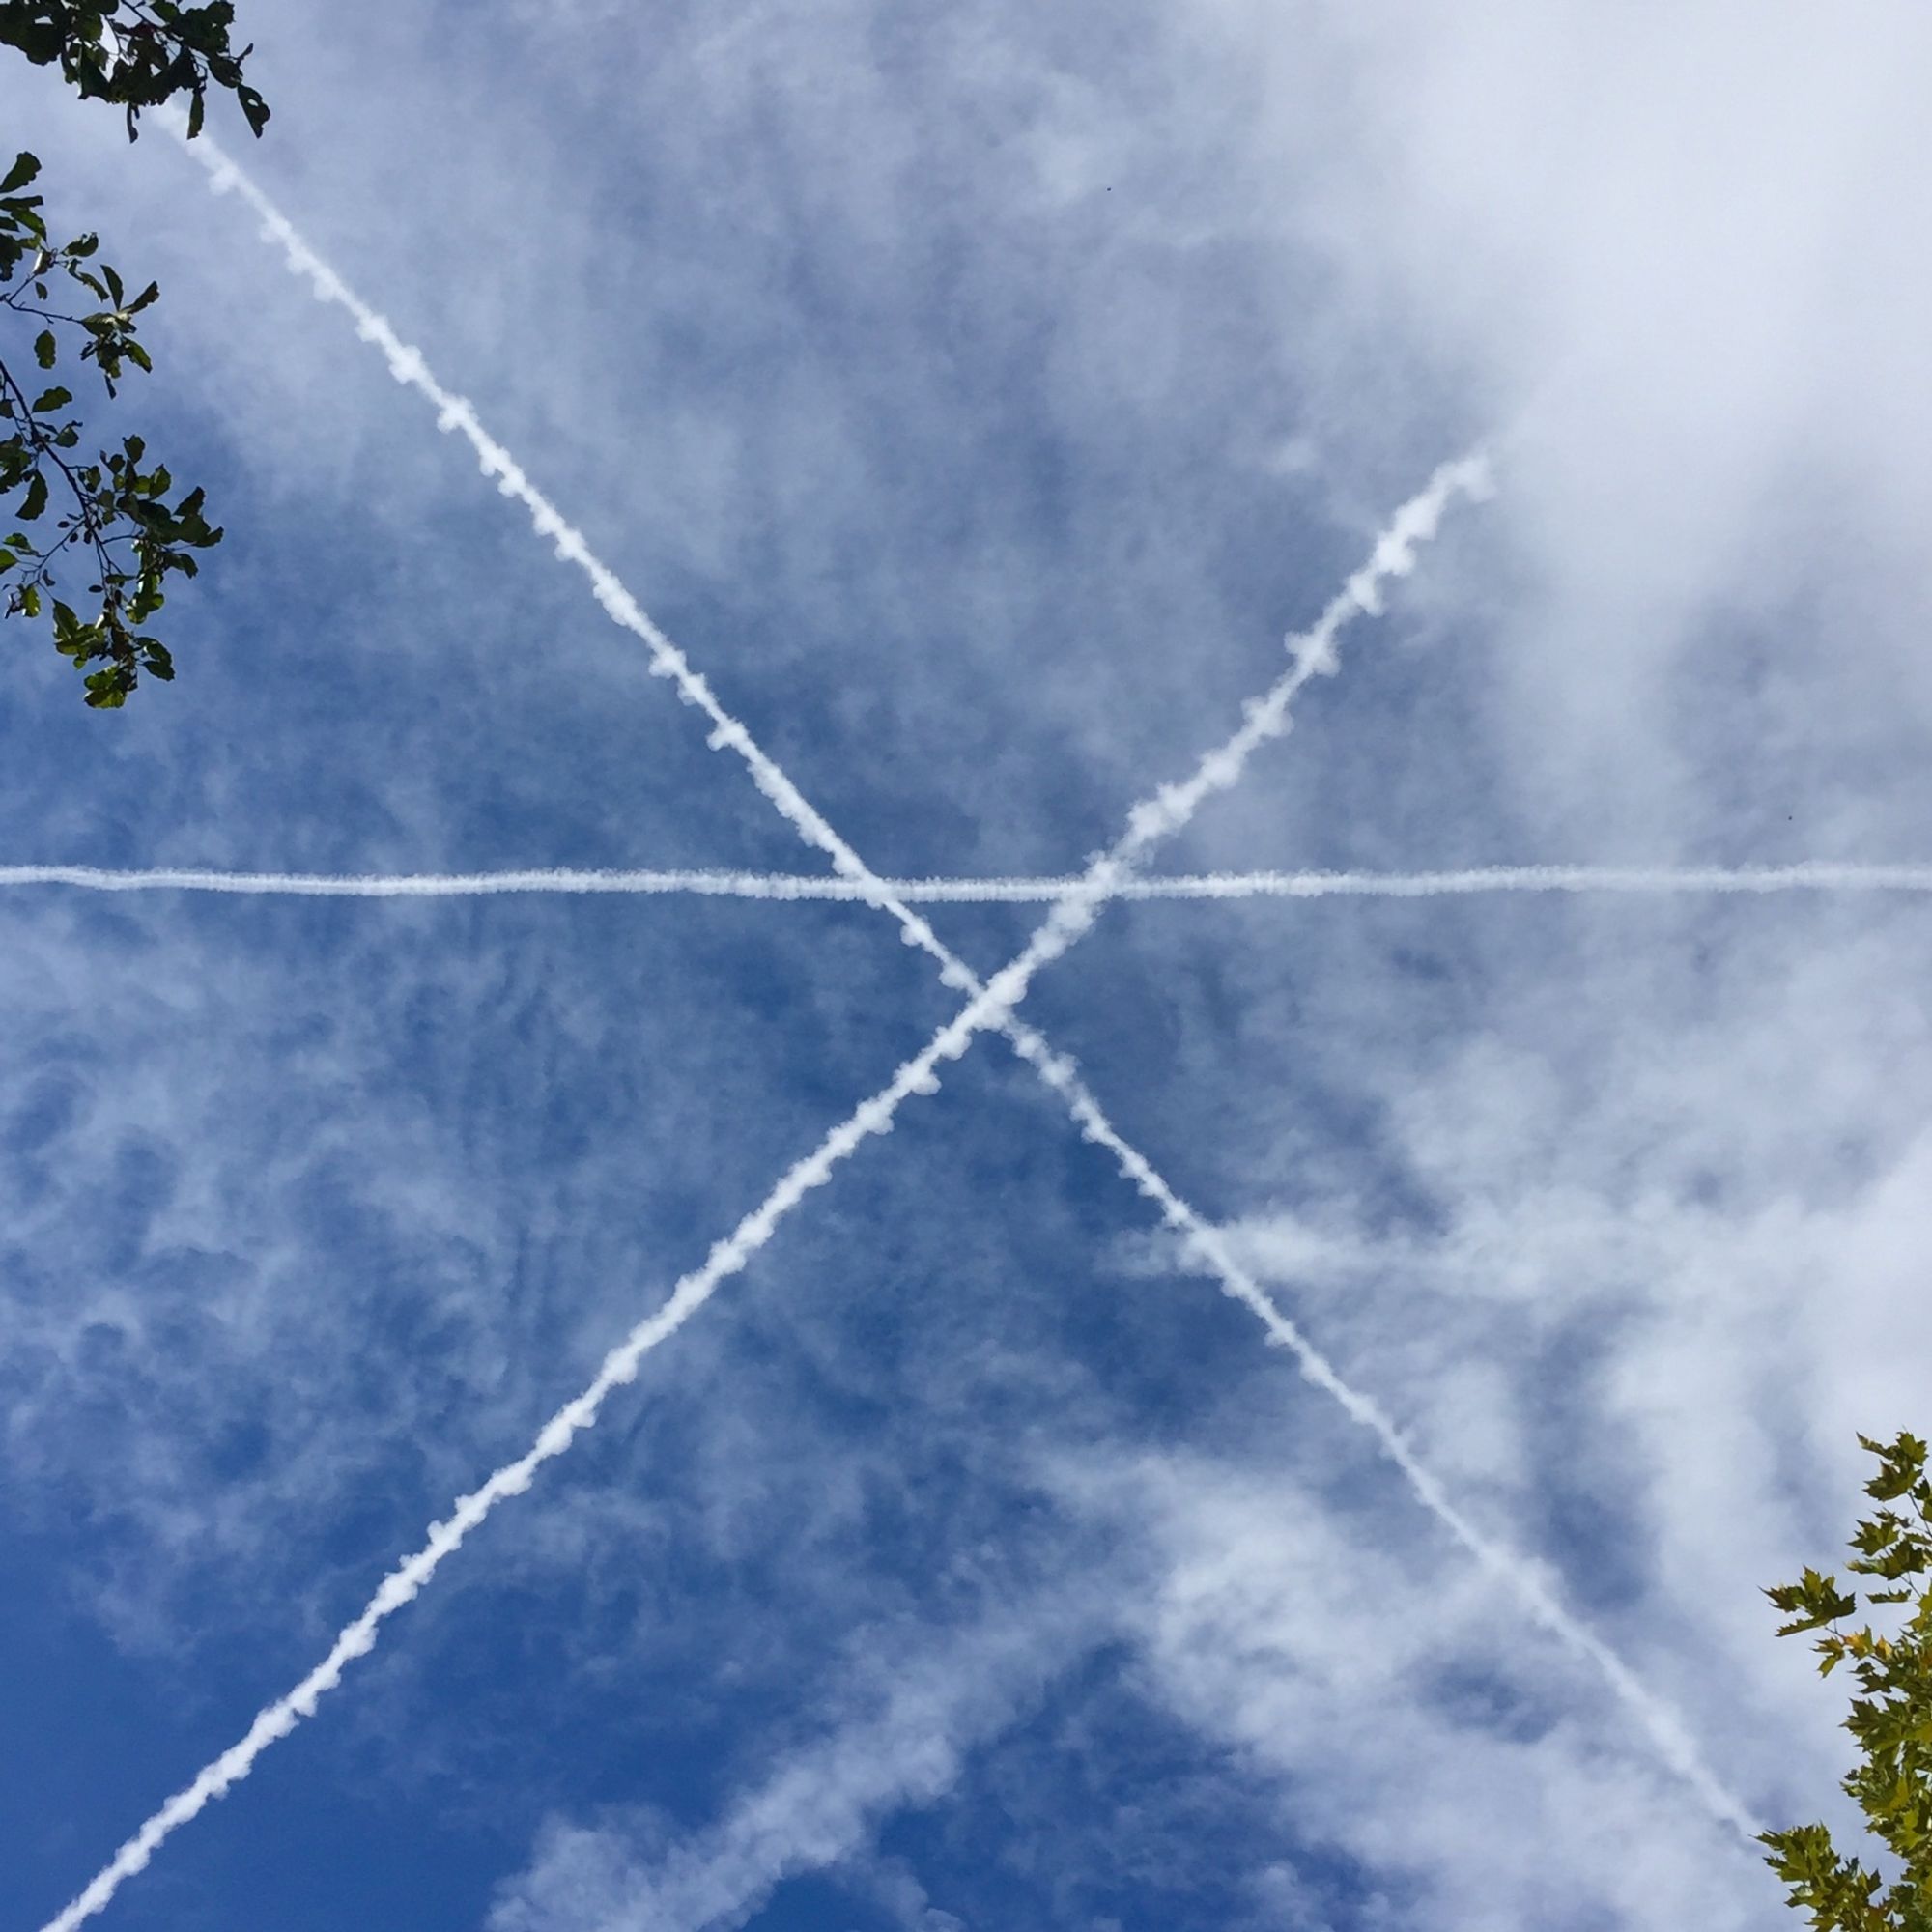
978 398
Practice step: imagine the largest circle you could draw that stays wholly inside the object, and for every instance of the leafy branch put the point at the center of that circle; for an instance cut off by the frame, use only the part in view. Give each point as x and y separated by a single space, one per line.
110 512
135 53
1892 1720
111 516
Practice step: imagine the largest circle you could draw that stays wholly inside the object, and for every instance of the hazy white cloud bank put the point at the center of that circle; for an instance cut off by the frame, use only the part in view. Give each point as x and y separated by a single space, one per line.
1668 247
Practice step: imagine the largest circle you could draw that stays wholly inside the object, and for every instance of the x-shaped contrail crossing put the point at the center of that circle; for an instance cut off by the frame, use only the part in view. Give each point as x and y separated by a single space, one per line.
990 1005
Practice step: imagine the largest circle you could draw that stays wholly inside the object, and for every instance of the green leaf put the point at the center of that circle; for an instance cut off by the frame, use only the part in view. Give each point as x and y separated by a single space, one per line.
1900 1468
41 40
25 167
46 351
53 399
35 499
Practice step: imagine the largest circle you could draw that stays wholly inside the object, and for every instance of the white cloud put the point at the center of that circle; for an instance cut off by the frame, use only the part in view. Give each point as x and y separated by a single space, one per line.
1413 1722
1671 1260
894 1738
1669 240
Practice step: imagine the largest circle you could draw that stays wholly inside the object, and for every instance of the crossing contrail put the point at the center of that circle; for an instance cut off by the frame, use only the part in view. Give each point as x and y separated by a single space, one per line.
1806 875
992 1003
1154 819
1393 555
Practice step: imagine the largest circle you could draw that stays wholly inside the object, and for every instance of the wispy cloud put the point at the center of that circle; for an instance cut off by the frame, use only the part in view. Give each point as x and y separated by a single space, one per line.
993 1003
896 1735
1425 1743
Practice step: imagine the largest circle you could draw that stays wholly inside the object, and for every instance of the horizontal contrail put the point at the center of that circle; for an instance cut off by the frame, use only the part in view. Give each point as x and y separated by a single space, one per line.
1805 875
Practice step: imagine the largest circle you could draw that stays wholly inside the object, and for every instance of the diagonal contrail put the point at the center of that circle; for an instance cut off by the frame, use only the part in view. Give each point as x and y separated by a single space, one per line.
992 1004
407 1580
1393 555
1151 821
1806 875
1154 819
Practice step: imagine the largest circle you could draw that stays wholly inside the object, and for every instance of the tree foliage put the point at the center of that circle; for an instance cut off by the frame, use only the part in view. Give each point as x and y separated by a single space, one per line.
135 53
1890 1720
115 514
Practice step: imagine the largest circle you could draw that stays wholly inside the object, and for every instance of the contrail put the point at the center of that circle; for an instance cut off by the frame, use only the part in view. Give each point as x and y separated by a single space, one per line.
992 1006
407 1580
1806 875
1150 821
1267 717
1204 1245
1154 819
992 1003
454 414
